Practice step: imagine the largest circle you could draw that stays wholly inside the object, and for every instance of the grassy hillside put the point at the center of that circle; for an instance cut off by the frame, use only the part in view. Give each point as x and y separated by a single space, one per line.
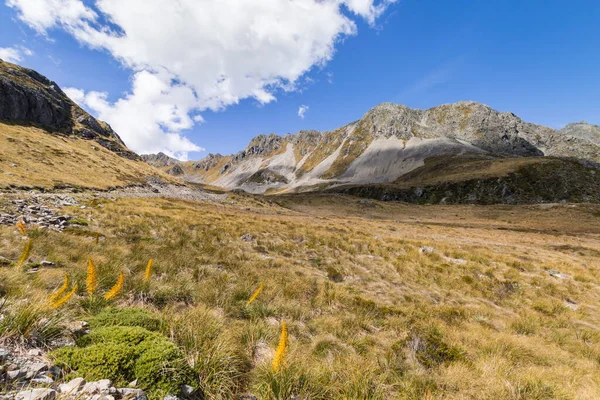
477 180
381 300
32 157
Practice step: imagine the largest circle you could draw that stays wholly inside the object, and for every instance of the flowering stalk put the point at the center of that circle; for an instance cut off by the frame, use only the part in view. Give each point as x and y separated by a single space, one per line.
91 282
281 349
255 294
117 289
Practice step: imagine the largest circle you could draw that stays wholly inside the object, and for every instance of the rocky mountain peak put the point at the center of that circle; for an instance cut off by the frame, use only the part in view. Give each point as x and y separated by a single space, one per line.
27 97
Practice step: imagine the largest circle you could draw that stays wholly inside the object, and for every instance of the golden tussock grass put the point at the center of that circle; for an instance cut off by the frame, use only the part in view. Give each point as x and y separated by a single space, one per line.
368 314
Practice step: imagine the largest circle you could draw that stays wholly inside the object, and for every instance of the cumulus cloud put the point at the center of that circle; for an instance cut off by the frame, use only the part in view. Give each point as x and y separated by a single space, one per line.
303 109
206 54
14 54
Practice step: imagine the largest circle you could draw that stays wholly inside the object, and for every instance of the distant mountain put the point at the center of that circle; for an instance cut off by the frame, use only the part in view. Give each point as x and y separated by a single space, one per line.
46 140
388 143
583 131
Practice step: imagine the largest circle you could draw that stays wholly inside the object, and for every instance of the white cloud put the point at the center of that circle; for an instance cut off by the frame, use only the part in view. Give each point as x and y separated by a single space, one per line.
14 54
207 54
303 109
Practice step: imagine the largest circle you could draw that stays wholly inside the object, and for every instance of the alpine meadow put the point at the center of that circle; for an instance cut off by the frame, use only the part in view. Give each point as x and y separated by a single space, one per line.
445 249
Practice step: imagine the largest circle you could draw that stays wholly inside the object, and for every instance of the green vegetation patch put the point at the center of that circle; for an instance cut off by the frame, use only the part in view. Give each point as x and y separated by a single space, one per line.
126 317
127 353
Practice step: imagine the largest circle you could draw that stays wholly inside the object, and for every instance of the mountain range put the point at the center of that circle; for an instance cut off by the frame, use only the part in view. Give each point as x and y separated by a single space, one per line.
464 152
461 152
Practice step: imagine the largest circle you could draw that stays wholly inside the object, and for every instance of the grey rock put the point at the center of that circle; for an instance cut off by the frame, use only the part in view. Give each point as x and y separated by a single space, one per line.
35 352
72 387
4 355
170 397
247 237
46 263
37 394
34 369
16 374
42 379
132 394
187 391
101 386
426 250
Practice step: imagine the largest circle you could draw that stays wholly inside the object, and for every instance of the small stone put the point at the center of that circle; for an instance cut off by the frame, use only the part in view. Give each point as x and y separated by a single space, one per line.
247 396
426 250
72 387
132 394
43 379
170 397
97 387
133 383
4 354
37 394
247 237
34 369
187 390
35 352
16 374
46 263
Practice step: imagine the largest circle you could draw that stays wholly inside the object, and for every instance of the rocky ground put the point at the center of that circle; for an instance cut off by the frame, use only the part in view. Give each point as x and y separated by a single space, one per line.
29 375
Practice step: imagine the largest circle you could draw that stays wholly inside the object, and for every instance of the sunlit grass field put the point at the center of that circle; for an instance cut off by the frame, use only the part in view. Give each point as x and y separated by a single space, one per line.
381 301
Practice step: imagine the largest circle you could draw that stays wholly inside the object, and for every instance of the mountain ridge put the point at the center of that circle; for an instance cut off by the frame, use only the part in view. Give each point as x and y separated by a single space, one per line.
389 141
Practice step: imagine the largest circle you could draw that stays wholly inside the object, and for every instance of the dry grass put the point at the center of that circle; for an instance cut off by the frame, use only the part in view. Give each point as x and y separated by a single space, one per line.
368 315
31 157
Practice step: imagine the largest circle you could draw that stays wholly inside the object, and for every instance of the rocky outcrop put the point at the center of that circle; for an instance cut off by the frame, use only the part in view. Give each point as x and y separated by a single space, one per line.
159 160
29 98
584 131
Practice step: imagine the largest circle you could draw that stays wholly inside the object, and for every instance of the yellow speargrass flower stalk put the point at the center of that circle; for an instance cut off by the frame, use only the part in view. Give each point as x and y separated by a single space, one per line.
60 302
148 271
255 294
91 282
25 254
56 295
117 289
21 227
281 348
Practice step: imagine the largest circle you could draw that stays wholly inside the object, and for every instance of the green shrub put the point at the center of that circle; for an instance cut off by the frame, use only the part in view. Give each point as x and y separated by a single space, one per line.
126 317
129 335
126 353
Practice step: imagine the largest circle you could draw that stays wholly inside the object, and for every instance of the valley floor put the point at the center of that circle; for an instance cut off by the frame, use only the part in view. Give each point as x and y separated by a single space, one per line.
381 300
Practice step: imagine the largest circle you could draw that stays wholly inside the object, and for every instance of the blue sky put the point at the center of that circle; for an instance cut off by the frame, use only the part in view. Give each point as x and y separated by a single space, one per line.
538 59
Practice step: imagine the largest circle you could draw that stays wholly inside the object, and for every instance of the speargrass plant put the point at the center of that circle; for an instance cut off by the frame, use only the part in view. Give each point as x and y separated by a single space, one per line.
91 282
116 289
255 294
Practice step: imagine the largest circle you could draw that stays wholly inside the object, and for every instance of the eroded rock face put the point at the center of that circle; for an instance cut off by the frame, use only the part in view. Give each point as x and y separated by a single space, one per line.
27 97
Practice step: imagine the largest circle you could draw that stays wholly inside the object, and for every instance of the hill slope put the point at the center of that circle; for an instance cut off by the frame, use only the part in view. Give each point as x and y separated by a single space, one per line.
46 140
388 143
